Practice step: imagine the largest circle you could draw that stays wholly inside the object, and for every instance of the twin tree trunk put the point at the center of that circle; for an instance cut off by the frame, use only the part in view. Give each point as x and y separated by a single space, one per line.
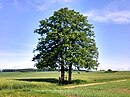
70 73
63 74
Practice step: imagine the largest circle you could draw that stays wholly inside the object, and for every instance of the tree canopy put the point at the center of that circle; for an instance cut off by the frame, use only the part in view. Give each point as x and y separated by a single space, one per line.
66 40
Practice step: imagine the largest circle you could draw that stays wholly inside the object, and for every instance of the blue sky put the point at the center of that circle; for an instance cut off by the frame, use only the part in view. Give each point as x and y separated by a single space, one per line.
19 18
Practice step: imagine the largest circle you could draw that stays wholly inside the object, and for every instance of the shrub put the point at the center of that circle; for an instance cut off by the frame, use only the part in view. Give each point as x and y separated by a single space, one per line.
109 70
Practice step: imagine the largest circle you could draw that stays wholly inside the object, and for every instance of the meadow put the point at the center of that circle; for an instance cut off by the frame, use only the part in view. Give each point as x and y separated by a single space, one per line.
45 84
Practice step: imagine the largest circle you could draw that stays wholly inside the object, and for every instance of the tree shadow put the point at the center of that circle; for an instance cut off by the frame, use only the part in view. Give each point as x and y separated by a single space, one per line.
53 80
50 80
78 81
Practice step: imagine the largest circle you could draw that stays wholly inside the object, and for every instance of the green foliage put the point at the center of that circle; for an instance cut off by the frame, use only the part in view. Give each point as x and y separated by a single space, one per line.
66 38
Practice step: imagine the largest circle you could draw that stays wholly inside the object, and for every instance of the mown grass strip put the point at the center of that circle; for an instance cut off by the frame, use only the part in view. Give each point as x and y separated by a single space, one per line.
91 84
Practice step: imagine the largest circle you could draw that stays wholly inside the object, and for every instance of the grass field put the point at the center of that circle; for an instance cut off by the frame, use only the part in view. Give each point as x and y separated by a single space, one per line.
44 84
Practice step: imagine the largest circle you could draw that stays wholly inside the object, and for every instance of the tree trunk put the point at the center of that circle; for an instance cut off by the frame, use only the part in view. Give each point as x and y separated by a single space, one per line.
62 75
70 73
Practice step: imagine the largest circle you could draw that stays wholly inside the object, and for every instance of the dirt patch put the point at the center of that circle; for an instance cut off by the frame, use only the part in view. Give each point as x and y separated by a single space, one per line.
119 80
68 87
118 91
124 91
72 96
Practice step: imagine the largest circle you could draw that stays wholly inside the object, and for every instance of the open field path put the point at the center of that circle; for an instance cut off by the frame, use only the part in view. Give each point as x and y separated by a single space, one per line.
91 84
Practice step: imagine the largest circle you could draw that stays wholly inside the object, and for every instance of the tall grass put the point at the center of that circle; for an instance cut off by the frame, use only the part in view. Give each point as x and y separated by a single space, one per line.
16 84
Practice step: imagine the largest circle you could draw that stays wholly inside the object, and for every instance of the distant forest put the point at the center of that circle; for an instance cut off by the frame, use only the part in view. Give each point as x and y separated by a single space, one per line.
35 70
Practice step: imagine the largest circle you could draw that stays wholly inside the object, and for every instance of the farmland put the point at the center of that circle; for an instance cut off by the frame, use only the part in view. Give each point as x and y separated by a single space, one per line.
44 84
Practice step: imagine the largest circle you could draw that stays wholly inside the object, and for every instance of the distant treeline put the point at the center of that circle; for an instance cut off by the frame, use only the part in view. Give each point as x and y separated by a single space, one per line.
22 70
34 70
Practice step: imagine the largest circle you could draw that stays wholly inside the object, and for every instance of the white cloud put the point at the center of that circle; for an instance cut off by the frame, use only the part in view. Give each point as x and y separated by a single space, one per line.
17 59
17 53
27 5
19 5
117 11
42 7
1 6
65 1
115 5
39 5
118 17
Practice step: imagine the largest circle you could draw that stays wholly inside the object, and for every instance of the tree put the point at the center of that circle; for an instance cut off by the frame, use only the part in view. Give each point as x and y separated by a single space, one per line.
66 40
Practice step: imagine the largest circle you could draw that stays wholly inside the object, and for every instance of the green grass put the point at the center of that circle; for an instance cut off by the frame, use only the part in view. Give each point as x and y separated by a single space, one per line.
44 84
121 89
